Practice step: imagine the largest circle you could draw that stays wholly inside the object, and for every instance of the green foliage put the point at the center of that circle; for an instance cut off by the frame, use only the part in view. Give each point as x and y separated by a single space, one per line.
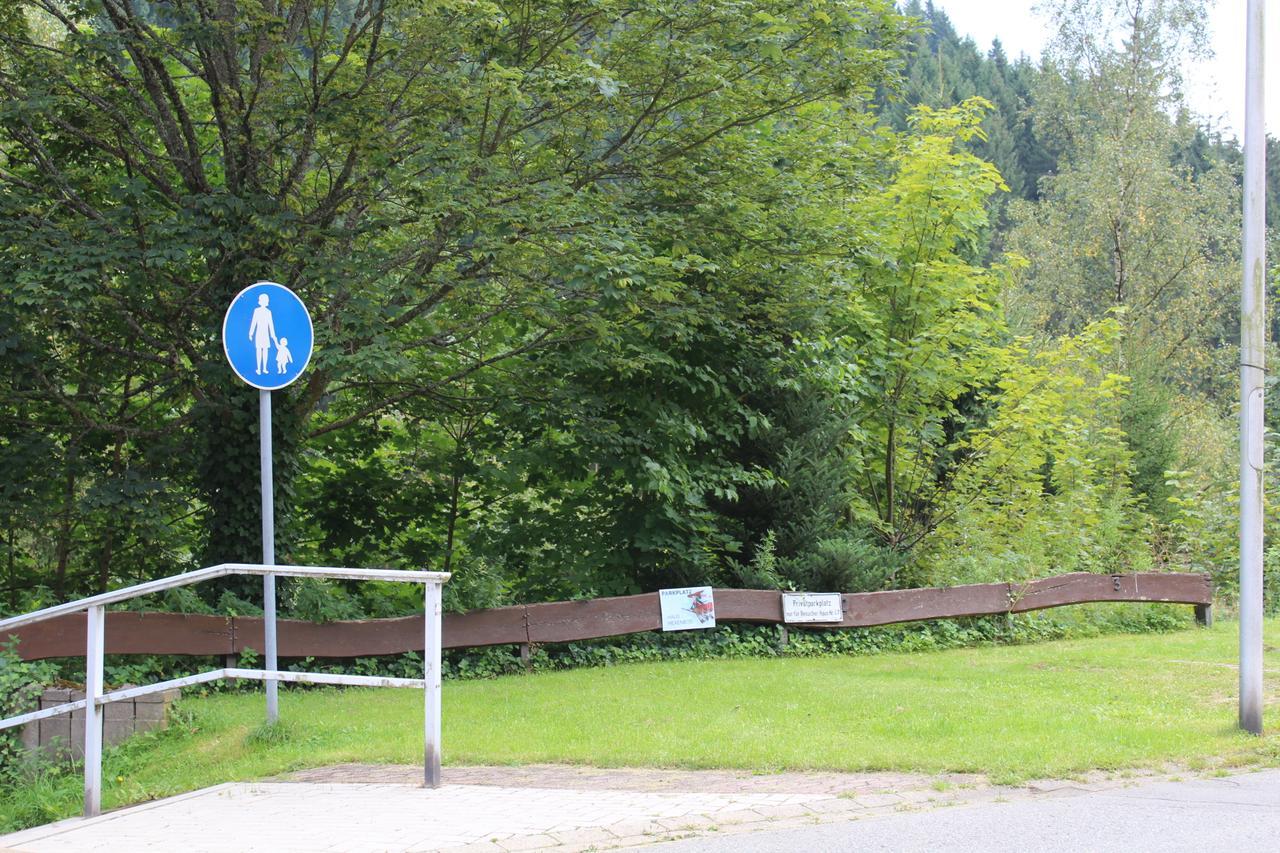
943 69
1135 219
929 323
20 686
1045 487
482 220
716 296
1147 421
762 572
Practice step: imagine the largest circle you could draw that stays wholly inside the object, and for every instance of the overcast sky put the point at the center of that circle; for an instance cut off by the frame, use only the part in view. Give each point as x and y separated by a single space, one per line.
1215 89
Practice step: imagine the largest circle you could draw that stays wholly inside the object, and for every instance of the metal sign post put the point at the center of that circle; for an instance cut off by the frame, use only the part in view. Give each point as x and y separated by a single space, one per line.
267 337
268 552
1253 336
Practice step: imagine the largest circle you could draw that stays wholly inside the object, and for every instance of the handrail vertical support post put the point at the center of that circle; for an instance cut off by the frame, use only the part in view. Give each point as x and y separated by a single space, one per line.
93 712
431 660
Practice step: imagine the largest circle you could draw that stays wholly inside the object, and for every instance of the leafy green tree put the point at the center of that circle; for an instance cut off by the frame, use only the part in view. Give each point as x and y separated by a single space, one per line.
452 189
928 321
1135 220
1121 225
1047 483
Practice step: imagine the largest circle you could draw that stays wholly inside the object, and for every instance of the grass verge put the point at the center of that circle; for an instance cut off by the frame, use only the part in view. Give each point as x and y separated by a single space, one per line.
1013 712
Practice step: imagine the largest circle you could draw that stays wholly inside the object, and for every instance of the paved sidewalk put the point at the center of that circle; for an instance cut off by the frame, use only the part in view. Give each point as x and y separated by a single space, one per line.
365 808
1235 814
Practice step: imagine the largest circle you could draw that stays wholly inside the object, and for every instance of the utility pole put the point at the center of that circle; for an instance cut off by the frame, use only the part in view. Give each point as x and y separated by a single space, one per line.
1252 343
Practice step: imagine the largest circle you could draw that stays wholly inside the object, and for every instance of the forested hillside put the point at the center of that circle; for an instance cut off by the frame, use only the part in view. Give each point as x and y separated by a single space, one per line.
782 293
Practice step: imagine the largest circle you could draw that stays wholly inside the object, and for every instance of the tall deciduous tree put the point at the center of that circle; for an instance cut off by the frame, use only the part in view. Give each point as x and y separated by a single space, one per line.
451 186
1131 223
930 319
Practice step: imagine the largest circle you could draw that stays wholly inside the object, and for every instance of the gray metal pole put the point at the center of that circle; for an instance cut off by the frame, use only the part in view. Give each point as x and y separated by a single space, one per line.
1252 342
268 553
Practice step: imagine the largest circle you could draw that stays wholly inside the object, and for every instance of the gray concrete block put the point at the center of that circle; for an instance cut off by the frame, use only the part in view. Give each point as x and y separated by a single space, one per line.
62 737
116 731
76 746
55 729
29 737
57 747
149 715
118 710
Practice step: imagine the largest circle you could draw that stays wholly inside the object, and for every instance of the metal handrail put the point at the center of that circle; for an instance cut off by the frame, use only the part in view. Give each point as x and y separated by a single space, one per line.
222 569
95 647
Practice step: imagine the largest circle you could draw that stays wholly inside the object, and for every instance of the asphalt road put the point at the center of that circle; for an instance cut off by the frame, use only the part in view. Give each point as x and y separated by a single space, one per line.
1231 813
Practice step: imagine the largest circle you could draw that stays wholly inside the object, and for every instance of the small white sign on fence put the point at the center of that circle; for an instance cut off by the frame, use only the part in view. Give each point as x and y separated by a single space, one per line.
811 607
687 607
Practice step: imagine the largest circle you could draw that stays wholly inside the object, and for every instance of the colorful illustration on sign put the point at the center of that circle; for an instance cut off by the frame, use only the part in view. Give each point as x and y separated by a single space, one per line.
687 608
701 607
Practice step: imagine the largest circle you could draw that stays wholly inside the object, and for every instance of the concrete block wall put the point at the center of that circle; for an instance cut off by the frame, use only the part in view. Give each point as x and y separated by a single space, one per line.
62 737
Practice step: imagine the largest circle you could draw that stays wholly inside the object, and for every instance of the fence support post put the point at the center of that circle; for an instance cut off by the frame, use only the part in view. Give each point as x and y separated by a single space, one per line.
93 711
431 677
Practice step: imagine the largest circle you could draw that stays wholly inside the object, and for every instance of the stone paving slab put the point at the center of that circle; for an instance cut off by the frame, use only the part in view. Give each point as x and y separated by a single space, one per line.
546 807
282 816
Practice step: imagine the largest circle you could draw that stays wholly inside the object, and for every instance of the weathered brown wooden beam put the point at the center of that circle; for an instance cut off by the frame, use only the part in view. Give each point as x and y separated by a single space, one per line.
1083 587
864 609
298 638
129 633
569 621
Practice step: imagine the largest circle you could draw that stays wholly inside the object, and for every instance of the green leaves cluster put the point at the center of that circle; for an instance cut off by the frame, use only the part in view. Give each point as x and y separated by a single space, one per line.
607 297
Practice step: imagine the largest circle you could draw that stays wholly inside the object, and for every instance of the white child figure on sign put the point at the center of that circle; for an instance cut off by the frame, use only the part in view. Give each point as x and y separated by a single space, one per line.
283 357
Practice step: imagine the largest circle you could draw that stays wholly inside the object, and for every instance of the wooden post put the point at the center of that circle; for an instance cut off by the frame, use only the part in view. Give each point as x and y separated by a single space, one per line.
784 636
231 661
1204 615
526 657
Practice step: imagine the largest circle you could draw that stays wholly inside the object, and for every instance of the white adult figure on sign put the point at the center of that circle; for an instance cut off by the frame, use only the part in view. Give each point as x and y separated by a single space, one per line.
262 331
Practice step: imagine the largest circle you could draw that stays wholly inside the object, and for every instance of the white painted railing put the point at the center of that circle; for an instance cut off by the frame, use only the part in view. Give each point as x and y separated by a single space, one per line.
95 698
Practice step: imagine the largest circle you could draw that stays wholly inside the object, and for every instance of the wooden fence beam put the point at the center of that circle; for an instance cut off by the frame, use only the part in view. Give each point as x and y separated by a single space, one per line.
569 621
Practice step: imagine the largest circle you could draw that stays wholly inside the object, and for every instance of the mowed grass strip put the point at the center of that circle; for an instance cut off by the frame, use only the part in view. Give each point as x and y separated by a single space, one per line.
1014 712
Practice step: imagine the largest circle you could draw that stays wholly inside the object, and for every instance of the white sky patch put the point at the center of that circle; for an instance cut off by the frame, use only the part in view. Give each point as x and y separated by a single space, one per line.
1214 89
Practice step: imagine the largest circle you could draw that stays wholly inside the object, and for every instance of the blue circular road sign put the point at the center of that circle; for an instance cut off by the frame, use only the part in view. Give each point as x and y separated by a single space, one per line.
267 335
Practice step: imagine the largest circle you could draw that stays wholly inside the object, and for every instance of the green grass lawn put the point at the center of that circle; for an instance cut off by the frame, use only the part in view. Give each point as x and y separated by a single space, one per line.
1013 712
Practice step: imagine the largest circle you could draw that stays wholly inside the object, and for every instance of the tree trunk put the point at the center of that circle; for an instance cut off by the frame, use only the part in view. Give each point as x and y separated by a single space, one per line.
65 524
12 572
455 486
104 558
890 475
